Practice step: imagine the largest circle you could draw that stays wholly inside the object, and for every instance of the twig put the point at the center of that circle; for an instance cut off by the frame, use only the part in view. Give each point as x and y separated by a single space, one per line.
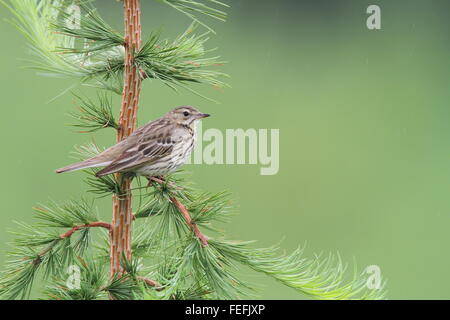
161 181
38 259
68 234
181 207
88 225
151 283
184 211
158 180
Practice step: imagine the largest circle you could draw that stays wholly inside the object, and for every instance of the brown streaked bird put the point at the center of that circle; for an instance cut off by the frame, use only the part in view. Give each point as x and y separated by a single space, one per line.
157 148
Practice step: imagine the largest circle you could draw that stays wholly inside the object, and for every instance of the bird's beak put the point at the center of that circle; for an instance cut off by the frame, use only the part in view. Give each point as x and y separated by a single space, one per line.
203 115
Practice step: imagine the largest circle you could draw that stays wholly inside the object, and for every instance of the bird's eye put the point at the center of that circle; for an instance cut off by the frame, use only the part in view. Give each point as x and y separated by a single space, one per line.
186 113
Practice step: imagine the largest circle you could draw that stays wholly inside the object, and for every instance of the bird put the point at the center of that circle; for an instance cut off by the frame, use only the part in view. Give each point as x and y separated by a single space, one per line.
158 148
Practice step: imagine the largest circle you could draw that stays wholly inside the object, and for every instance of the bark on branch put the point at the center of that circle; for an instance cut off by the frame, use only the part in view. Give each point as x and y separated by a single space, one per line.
187 217
121 226
184 211
99 224
151 283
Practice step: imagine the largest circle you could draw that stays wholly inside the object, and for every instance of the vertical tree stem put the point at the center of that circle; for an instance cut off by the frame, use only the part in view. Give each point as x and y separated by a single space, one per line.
121 226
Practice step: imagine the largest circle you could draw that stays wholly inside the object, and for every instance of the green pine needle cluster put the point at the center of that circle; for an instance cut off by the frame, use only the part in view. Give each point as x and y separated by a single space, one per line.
94 284
169 261
93 52
39 248
93 116
193 8
180 61
98 35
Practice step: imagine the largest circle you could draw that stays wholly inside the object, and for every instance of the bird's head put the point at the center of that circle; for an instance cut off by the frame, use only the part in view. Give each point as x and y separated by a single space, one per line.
186 115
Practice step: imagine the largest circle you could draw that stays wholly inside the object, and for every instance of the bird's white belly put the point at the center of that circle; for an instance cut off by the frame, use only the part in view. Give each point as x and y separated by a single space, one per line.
170 163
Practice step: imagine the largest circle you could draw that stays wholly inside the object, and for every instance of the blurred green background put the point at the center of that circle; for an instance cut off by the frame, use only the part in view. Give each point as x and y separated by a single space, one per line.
364 132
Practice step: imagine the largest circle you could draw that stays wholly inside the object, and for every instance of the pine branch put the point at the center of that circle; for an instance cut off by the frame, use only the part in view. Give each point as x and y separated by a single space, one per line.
132 267
25 263
208 207
150 209
99 224
187 217
91 283
105 185
319 278
94 116
178 62
94 284
203 239
41 247
209 270
122 287
150 282
52 43
192 8
194 292
66 215
100 61
18 277
98 34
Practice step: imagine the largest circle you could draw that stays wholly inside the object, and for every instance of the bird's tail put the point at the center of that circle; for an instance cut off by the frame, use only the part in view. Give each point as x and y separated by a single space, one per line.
89 163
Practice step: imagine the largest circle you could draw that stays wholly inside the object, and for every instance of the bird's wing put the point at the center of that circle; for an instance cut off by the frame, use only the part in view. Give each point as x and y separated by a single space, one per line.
150 147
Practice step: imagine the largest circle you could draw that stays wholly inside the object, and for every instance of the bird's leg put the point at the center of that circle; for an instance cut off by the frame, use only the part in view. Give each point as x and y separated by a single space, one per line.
150 182
161 180
157 179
